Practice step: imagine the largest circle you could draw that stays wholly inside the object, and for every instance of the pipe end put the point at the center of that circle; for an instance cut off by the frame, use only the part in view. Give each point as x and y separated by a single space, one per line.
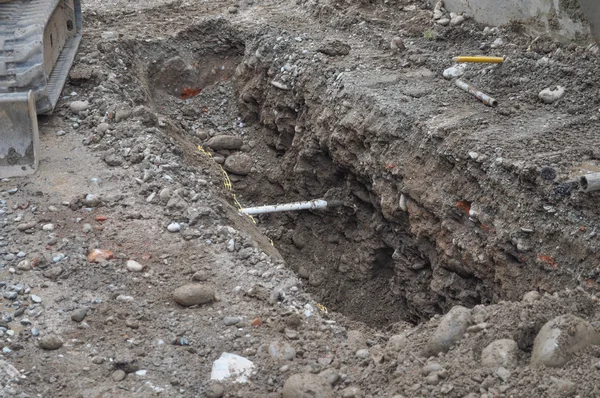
583 182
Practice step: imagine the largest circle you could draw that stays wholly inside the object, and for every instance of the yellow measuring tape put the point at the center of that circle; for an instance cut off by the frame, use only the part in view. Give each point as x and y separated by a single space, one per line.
227 184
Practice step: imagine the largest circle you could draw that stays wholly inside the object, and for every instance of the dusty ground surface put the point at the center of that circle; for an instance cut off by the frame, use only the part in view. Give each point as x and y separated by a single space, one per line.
447 205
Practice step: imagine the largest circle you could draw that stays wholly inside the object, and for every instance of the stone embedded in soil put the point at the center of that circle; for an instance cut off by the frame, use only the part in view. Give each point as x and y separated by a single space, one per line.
560 338
281 350
304 385
334 48
219 142
352 392
79 314
501 352
78 106
562 388
231 320
174 227
238 163
451 329
548 95
215 390
532 296
396 342
118 375
194 294
50 342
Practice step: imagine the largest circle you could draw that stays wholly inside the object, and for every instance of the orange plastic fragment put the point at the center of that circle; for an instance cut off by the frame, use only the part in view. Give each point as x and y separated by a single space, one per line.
187 92
101 218
98 255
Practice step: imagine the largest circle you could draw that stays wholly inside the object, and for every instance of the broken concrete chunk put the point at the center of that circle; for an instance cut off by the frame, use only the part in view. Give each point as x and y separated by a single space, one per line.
304 385
451 329
560 338
501 352
232 367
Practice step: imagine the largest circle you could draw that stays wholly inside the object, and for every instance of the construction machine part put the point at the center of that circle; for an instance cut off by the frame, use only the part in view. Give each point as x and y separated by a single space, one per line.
38 42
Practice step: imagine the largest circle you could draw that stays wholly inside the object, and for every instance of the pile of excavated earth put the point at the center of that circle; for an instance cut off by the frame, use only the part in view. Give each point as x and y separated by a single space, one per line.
463 260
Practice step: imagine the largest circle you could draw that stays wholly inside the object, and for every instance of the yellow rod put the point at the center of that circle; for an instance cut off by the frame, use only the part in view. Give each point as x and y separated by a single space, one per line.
480 59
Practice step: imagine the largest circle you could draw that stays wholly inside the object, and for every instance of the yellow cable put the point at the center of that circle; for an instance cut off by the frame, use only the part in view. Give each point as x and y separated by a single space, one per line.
479 59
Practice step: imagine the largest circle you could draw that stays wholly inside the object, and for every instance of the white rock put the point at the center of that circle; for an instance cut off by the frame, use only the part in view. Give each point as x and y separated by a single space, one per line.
498 43
174 227
231 366
134 266
78 106
549 96
48 227
455 71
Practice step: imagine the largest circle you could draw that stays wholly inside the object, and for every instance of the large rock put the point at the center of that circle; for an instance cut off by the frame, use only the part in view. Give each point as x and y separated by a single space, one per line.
238 163
194 294
306 385
219 142
500 353
451 329
560 338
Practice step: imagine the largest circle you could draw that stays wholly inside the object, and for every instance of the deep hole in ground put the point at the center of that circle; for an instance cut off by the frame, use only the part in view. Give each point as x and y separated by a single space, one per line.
364 259
353 259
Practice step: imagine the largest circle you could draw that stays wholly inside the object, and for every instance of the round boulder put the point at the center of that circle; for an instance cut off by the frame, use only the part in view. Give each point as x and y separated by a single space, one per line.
560 338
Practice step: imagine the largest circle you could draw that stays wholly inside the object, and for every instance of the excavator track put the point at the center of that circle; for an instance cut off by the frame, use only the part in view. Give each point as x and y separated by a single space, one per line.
38 43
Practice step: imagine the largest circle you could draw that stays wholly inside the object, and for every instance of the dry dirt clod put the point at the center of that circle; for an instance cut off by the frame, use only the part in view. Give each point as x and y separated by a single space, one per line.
305 385
194 294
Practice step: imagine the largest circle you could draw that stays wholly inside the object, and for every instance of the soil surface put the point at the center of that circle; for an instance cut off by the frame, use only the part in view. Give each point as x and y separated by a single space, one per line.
461 258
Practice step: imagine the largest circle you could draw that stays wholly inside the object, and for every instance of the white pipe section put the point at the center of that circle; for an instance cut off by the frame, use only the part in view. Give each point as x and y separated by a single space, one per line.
311 204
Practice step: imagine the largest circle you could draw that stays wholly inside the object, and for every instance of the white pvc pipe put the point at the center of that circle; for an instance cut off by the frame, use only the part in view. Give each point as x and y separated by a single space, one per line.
311 204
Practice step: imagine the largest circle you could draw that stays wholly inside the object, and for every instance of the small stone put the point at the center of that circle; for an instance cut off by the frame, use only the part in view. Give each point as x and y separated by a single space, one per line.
50 342
548 95
97 255
453 72
431 368
200 276
443 21
503 374
215 390
98 360
238 163
86 228
24 265
79 314
232 10
174 227
134 266
36 299
457 20
119 375
334 48
102 128
281 350
397 45
532 296
60 133
194 294
231 320
433 379
113 160
229 142
53 273
498 43
26 226
78 106
122 114
362 353
548 173
304 385
501 352
352 392
48 227
35 332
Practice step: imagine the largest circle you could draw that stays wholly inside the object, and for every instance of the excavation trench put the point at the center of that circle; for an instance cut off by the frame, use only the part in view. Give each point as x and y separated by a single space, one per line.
398 249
